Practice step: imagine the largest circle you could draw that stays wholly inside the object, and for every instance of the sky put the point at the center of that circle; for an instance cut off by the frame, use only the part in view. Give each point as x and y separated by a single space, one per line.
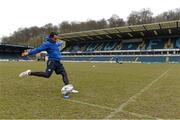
17 14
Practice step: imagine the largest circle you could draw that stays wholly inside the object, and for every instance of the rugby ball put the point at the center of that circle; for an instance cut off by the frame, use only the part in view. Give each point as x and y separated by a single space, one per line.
67 89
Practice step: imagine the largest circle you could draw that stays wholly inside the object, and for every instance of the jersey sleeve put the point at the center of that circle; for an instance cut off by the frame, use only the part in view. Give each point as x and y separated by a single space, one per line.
43 47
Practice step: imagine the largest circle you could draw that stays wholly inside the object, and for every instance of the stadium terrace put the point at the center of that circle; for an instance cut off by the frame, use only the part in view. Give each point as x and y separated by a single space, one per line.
156 42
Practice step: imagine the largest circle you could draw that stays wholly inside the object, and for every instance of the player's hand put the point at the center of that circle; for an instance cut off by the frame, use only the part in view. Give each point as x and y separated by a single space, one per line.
25 53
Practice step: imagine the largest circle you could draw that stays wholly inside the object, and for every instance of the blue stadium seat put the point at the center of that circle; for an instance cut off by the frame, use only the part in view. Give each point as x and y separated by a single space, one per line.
125 58
176 43
174 59
82 58
152 59
130 46
155 44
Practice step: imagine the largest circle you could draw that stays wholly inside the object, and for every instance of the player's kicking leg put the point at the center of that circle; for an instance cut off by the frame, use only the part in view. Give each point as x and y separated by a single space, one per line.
25 73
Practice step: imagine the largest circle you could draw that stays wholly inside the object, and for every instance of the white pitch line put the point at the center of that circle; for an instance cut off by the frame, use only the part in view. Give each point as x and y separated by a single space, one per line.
138 115
93 105
132 98
113 109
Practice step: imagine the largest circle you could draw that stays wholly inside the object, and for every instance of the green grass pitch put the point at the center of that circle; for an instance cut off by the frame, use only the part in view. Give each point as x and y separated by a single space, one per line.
108 90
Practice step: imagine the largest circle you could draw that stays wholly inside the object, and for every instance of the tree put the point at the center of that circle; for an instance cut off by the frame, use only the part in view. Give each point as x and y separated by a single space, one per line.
115 21
133 18
75 26
169 15
146 16
65 27
101 24
140 17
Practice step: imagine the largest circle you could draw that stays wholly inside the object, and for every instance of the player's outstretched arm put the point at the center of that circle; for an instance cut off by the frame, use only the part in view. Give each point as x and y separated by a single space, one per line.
43 47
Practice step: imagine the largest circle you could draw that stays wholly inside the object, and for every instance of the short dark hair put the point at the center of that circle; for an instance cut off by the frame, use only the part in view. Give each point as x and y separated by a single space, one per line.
51 35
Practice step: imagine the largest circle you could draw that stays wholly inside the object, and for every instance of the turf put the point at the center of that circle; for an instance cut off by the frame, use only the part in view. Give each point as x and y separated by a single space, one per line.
103 89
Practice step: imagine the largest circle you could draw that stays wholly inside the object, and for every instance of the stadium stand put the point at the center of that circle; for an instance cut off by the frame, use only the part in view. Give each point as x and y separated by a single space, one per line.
10 52
156 42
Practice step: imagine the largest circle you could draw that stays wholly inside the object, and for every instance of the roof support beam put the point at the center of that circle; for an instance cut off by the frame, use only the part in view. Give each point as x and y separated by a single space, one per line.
109 36
178 24
99 37
119 36
90 38
131 29
160 26
106 31
142 34
169 30
130 34
144 27
155 32
81 38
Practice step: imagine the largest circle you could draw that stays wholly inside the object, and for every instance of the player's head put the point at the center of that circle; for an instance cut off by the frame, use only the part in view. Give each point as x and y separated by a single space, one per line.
53 35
